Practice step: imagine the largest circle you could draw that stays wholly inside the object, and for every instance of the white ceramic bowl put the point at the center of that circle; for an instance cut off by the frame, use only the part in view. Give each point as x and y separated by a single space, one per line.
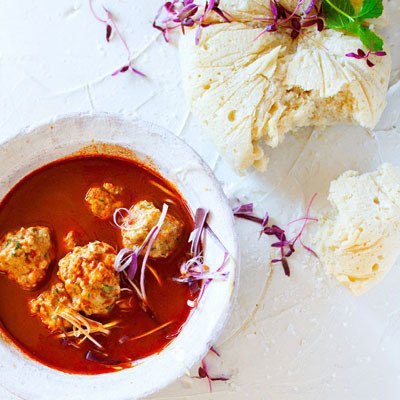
177 162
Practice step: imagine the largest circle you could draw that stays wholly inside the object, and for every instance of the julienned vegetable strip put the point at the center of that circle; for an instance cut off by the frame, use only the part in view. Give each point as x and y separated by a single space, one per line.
153 235
127 258
194 270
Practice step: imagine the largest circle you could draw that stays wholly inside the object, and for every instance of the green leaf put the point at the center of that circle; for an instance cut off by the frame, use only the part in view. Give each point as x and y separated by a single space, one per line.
338 13
370 9
367 37
353 27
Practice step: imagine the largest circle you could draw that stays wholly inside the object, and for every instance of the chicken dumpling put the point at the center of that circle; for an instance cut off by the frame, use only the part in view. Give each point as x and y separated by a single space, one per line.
47 304
143 217
26 254
90 278
102 200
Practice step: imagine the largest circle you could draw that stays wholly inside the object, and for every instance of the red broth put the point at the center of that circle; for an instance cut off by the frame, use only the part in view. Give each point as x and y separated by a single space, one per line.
54 196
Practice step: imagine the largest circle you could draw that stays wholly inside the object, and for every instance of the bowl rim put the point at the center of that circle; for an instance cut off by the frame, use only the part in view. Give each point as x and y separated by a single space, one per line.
152 129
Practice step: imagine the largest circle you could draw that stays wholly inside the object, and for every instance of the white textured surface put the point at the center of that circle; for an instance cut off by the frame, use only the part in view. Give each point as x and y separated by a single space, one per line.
302 338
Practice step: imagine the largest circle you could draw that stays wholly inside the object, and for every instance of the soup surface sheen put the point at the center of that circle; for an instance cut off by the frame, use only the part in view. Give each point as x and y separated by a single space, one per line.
54 196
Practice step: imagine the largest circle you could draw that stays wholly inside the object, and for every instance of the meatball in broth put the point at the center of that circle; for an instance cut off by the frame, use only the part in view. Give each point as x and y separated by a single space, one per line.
102 200
143 216
90 278
47 305
26 254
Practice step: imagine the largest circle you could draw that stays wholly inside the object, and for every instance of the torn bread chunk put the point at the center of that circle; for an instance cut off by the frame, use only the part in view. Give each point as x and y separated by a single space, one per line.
248 91
359 243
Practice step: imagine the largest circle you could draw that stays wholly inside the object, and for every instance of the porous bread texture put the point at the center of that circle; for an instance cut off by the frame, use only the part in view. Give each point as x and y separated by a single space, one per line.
246 91
359 243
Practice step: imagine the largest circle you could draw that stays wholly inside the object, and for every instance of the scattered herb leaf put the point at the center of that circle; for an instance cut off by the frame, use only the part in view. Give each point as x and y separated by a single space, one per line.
367 37
111 25
286 246
283 18
361 55
371 9
205 374
194 270
340 14
185 13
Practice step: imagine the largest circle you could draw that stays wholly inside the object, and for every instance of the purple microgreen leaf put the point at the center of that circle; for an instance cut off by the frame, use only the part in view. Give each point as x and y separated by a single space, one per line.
205 374
108 32
380 53
136 71
202 373
354 55
294 34
243 209
286 246
185 13
265 220
271 28
111 26
212 349
309 23
123 69
281 16
370 63
361 53
296 24
289 252
274 9
220 378
286 267
269 231
204 365
310 7
223 15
